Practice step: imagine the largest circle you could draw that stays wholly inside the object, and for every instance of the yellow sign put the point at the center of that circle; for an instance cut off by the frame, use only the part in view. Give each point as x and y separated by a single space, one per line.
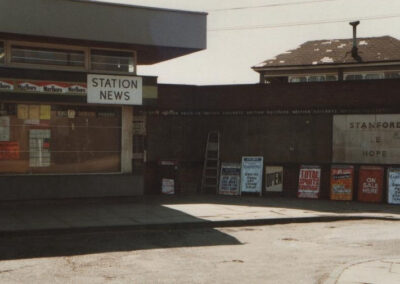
22 111
34 112
45 112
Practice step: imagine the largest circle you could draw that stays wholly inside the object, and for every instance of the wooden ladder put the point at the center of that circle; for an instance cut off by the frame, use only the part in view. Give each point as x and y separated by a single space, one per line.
209 181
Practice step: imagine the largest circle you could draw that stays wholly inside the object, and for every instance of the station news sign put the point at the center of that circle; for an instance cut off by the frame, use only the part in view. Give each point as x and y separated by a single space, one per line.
118 90
371 139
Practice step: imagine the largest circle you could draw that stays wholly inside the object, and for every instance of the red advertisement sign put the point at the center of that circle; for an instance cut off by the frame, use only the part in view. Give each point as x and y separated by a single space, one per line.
9 150
342 182
370 184
309 182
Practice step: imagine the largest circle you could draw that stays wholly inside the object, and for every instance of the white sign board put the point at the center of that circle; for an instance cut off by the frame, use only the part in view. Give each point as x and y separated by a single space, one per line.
4 128
394 186
117 90
273 179
229 183
372 139
251 175
167 186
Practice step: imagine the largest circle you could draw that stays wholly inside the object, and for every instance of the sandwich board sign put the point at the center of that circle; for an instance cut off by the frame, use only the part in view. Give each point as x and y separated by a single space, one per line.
394 186
342 182
229 183
252 173
309 182
273 179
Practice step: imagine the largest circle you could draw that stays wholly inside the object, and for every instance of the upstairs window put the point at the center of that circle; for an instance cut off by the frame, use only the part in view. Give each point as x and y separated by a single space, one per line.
392 75
2 53
114 61
364 76
47 56
312 78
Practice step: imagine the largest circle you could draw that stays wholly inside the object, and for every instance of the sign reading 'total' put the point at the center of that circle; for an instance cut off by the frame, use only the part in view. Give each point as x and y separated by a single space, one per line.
118 90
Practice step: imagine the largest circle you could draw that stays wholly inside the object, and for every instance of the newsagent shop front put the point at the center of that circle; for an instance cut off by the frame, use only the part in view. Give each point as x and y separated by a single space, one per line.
69 93
53 143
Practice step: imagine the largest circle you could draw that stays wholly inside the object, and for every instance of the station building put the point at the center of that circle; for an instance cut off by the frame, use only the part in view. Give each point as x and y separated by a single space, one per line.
70 94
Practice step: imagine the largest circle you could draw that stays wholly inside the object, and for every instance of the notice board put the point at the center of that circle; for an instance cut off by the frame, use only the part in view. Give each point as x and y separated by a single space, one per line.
393 178
342 182
309 182
273 179
251 174
370 184
229 183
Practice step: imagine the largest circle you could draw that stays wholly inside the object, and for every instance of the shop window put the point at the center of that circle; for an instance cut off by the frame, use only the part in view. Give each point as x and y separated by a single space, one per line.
2 53
114 61
59 139
47 56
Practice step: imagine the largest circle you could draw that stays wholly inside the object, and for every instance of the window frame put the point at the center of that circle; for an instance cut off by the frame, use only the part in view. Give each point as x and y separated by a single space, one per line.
134 53
307 76
5 53
46 66
364 74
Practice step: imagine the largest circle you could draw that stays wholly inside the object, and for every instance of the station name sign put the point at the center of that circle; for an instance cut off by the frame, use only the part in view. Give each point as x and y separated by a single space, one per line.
119 90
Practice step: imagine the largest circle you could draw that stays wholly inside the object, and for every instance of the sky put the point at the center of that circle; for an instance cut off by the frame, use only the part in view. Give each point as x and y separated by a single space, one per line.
243 33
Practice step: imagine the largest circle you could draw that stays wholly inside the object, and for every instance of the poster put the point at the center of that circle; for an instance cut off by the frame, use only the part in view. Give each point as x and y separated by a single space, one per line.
34 112
394 186
251 174
45 112
342 182
4 128
370 184
22 111
309 182
39 148
273 179
167 186
229 183
9 151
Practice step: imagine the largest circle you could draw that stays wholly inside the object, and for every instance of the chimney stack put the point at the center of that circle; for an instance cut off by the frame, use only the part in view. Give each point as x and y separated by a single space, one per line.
354 50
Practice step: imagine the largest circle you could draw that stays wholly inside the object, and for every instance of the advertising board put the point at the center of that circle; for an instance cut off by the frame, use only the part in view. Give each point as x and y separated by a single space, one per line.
273 179
370 184
393 186
309 182
120 90
342 182
366 139
229 183
251 174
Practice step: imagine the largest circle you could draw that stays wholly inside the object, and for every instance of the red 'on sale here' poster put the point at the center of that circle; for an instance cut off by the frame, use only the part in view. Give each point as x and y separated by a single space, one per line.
370 184
309 182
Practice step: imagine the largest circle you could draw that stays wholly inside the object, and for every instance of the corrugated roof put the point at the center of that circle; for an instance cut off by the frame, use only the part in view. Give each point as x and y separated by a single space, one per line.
337 51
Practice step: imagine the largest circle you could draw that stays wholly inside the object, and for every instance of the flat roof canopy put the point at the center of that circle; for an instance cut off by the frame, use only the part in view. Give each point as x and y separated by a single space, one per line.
156 34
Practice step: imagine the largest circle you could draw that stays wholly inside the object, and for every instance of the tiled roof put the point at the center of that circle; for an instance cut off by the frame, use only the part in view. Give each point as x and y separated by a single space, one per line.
337 51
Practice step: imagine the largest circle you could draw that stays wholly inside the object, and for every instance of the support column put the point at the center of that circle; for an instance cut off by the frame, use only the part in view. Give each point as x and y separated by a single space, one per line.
126 139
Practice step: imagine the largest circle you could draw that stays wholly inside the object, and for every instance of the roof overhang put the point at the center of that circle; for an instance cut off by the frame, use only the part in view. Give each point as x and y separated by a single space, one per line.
156 34
324 66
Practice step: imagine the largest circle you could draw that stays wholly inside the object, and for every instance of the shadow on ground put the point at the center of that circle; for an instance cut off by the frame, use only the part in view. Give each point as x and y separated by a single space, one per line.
100 238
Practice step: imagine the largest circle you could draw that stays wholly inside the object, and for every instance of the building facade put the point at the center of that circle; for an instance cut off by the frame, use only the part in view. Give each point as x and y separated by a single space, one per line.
70 94
334 60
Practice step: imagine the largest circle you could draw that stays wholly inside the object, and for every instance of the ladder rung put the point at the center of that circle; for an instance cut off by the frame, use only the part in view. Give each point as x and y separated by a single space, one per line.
209 177
211 168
